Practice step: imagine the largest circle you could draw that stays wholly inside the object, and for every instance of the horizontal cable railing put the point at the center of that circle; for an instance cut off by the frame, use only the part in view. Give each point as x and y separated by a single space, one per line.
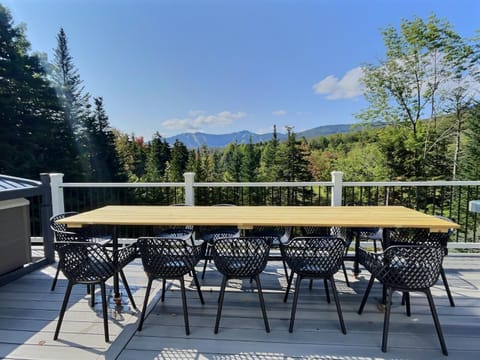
269 194
445 198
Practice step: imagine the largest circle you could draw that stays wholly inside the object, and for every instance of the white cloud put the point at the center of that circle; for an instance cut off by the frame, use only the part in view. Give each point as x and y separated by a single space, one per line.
280 112
346 88
198 120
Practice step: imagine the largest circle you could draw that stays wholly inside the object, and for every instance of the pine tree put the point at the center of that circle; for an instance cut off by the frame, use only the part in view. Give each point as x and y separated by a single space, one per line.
99 142
270 163
177 165
66 79
33 138
295 158
232 160
158 155
250 162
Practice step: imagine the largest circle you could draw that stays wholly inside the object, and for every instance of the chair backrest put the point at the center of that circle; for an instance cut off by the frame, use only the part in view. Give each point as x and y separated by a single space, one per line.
168 257
314 255
404 236
241 257
278 234
60 227
410 267
442 237
84 261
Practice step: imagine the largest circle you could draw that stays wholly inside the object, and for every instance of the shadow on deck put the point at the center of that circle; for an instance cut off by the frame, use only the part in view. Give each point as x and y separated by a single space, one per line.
28 313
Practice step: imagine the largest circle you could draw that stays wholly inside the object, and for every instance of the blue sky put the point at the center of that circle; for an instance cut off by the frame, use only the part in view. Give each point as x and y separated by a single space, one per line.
221 66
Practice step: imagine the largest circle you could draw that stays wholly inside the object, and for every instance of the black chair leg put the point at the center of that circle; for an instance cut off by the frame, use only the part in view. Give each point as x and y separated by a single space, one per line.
220 303
345 274
327 292
437 322
63 309
289 285
197 284
407 303
208 253
386 321
164 285
285 268
54 282
367 292
184 303
104 310
310 285
337 303
91 291
145 302
295 300
447 287
127 289
262 303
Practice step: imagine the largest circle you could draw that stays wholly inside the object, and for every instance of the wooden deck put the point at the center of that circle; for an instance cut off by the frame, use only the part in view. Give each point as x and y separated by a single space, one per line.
29 310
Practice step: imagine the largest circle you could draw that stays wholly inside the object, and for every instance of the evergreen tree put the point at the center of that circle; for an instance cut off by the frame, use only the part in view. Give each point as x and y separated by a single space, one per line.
158 155
33 138
99 143
177 165
66 79
295 158
232 160
270 162
250 163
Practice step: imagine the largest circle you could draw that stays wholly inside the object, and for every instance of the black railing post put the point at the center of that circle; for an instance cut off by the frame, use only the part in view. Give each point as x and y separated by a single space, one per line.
46 214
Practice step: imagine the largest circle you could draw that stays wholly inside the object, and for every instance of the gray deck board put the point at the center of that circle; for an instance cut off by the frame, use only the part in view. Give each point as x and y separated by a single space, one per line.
29 310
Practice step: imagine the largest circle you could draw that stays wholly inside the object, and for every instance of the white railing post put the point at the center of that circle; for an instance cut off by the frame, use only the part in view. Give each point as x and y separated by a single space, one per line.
189 193
56 182
337 188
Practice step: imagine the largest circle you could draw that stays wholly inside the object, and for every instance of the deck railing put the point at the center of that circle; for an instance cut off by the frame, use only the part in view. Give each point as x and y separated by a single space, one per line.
446 198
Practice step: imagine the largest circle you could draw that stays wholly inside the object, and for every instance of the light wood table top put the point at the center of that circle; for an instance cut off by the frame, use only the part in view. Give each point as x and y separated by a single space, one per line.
245 217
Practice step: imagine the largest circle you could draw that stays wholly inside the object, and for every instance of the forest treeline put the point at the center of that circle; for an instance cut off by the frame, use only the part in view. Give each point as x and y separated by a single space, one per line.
425 93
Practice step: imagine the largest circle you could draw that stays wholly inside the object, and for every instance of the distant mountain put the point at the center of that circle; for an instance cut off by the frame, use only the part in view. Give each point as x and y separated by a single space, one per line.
194 140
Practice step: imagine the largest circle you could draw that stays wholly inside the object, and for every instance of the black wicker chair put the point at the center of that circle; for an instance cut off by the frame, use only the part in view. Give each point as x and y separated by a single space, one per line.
405 268
314 258
278 235
87 234
91 263
164 259
212 234
241 258
182 233
314 231
412 236
175 232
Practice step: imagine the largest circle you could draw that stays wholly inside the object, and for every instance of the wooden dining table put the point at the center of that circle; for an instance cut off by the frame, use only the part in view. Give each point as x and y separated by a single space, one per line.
246 217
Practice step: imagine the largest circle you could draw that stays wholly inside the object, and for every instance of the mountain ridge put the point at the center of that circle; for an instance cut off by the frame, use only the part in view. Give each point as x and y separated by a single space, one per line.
197 139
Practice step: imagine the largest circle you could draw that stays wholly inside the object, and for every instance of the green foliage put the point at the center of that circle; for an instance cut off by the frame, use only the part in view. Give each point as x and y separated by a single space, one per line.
32 128
471 157
99 146
428 71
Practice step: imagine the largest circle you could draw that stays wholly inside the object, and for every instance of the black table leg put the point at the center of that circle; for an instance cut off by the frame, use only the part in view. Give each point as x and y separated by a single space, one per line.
116 288
356 238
